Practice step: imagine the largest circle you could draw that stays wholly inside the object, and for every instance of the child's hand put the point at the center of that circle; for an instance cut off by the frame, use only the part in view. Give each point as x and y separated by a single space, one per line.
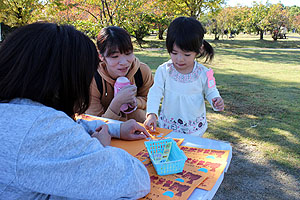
218 103
150 122
102 135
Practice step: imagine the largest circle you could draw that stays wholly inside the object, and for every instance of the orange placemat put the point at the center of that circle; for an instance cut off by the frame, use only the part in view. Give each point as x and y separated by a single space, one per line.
176 186
202 169
208 162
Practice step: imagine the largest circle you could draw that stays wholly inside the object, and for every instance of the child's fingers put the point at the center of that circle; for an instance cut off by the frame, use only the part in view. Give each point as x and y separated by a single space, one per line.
151 126
147 124
221 103
217 101
220 106
154 126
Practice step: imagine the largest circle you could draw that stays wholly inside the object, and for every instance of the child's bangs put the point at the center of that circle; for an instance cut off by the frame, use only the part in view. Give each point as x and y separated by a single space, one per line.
188 43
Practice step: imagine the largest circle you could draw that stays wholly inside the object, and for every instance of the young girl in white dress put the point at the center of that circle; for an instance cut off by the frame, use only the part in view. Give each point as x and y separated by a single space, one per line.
183 83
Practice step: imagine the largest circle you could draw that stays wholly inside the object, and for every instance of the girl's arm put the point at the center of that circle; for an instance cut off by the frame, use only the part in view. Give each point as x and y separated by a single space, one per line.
155 95
210 90
156 92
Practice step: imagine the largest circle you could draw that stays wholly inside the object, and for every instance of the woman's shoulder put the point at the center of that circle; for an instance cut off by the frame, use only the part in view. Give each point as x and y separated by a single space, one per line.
144 67
33 118
33 109
24 104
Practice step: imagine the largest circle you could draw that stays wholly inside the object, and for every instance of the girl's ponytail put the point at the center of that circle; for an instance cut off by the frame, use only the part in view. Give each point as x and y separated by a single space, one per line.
207 51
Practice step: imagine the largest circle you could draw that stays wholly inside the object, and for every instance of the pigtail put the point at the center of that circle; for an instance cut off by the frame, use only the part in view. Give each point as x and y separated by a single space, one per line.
207 51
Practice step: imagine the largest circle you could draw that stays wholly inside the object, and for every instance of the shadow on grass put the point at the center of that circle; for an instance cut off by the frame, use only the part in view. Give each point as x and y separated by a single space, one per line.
254 44
269 106
259 108
247 180
271 56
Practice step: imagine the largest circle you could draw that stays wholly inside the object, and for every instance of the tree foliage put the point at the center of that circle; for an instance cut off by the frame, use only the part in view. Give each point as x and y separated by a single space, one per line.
228 20
278 16
294 12
136 19
257 20
194 8
161 16
141 17
17 13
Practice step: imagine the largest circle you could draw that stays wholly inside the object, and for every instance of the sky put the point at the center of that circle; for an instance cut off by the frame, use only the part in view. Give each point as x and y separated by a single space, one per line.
249 2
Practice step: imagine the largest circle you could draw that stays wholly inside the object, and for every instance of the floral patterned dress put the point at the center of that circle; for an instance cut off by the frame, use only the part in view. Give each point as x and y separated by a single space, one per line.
183 107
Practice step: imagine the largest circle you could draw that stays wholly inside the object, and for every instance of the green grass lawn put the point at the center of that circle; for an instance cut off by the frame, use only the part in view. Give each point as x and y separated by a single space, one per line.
260 84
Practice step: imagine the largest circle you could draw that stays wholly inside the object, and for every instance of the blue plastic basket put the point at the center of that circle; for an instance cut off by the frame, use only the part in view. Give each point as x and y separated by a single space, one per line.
176 159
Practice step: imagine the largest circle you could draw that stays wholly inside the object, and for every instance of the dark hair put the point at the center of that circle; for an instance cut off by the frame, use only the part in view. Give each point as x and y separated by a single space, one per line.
114 38
50 64
187 33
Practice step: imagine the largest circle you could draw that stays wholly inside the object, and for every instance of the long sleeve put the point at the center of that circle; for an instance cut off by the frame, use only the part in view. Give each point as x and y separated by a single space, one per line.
209 93
90 126
58 157
156 92
95 108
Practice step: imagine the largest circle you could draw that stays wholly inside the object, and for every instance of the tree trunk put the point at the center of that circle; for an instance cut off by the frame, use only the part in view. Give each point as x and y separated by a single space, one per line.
138 38
261 33
217 36
160 33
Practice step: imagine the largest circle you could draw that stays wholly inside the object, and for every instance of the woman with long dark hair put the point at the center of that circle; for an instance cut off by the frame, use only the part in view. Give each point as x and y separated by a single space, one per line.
45 74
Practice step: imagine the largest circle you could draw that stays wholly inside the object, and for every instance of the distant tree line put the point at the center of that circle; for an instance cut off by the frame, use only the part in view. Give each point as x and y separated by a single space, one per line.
141 17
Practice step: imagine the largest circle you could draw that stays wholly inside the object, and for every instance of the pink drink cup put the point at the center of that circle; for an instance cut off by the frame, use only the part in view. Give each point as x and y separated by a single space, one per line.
119 84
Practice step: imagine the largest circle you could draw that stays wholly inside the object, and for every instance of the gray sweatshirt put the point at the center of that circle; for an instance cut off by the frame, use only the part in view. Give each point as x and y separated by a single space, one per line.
44 154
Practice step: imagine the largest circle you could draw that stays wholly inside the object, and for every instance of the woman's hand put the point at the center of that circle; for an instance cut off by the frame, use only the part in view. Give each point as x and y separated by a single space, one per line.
218 103
126 95
150 122
102 135
131 130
